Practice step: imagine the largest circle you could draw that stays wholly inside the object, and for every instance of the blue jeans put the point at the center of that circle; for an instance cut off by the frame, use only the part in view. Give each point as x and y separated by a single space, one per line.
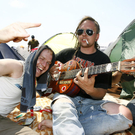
131 106
83 116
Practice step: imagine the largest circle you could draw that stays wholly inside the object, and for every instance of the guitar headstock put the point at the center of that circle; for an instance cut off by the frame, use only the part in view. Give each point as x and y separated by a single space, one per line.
128 66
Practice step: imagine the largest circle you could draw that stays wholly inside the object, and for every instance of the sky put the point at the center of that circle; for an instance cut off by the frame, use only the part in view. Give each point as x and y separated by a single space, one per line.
58 16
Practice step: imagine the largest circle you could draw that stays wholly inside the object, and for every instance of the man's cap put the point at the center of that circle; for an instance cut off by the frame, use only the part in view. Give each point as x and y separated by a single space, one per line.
32 36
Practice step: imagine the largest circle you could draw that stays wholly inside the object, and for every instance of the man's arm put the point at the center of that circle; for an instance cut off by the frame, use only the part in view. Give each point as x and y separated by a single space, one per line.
16 32
11 67
37 43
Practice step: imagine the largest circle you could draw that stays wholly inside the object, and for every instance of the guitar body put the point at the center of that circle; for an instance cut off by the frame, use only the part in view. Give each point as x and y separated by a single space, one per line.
65 86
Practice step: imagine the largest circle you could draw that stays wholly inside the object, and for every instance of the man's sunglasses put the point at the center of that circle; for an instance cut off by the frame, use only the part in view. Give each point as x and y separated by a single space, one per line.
89 32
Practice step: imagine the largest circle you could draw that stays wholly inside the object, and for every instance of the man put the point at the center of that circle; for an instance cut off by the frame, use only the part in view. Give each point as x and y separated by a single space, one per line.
13 76
32 43
87 113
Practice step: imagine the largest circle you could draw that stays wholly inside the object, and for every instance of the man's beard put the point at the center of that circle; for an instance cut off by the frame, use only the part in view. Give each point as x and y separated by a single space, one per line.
85 46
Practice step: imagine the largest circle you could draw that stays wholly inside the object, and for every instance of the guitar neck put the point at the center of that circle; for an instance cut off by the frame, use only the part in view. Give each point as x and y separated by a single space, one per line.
99 69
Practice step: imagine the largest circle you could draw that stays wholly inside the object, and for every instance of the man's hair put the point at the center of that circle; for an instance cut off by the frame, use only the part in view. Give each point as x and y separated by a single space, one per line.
32 36
97 29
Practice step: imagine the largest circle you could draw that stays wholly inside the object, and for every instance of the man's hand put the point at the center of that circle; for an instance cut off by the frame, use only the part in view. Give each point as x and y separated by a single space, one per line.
84 82
54 71
16 32
87 84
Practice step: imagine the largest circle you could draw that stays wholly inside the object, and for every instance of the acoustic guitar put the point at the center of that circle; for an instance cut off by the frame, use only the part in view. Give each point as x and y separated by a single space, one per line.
63 82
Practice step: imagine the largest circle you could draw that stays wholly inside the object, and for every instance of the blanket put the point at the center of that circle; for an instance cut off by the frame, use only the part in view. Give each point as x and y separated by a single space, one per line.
45 102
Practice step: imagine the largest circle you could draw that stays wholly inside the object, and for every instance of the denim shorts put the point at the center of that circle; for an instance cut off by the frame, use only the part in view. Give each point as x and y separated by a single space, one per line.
84 116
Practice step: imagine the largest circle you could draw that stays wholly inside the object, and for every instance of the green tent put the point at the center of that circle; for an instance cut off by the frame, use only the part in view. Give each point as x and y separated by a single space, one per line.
124 47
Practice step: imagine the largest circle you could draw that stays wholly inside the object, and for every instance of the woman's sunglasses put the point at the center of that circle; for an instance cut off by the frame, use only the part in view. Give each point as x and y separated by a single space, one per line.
89 32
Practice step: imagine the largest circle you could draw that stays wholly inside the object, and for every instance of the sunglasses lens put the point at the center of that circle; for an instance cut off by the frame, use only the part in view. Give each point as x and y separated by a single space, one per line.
79 32
89 32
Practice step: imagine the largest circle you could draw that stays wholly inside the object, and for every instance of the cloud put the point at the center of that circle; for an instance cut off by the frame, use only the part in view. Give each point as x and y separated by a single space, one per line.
17 4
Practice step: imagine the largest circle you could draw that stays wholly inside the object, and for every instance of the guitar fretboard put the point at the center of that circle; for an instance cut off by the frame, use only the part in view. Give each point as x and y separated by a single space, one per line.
99 69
